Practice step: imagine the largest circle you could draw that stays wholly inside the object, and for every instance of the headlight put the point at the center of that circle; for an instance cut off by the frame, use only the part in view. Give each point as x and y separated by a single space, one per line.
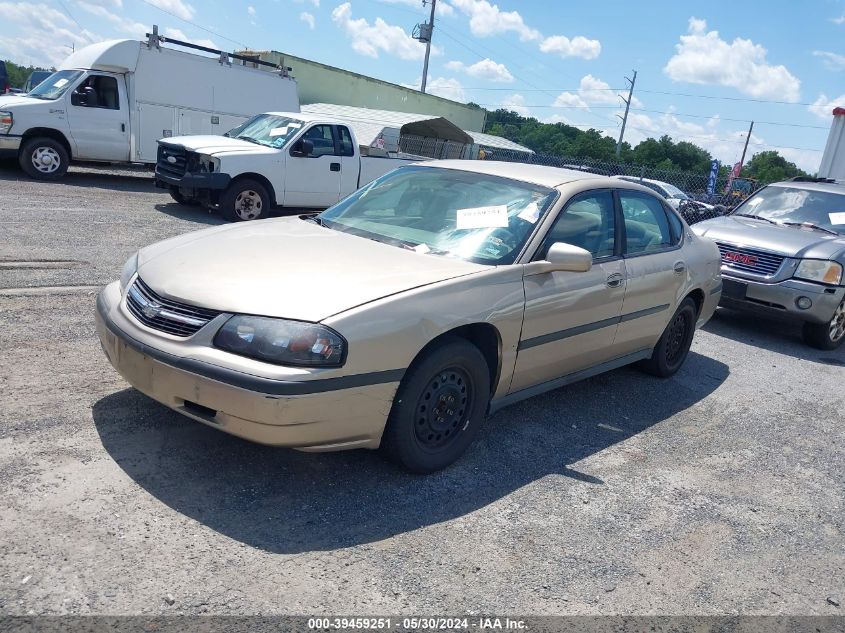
129 269
820 271
282 342
5 122
209 164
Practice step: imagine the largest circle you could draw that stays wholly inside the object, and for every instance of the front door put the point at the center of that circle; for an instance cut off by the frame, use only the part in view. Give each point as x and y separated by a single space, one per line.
98 117
571 318
313 181
656 271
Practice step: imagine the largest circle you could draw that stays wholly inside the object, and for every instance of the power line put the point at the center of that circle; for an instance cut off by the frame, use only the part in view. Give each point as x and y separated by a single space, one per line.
195 25
70 15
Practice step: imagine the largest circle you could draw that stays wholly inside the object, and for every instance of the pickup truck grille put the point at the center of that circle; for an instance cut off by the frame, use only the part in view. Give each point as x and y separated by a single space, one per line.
165 315
749 260
171 160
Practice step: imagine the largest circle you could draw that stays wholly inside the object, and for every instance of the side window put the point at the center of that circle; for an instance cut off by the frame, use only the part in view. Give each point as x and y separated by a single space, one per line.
321 137
677 226
345 140
587 221
646 224
98 91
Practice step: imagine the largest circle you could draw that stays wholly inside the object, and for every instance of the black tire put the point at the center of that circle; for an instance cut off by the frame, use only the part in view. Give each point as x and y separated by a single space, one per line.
245 200
826 336
671 350
178 197
43 158
439 407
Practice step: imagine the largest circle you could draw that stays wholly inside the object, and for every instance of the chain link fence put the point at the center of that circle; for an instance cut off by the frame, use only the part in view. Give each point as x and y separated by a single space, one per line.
685 190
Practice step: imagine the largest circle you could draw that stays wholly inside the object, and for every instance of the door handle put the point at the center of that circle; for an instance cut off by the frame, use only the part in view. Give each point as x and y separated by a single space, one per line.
334 166
680 267
123 127
615 280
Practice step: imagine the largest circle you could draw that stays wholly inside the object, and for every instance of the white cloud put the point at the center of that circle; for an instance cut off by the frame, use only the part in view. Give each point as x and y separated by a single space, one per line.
122 24
442 9
578 46
178 34
823 107
485 69
833 61
178 8
839 20
704 58
250 11
44 36
370 39
446 88
487 19
592 91
308 19
316 3
516 103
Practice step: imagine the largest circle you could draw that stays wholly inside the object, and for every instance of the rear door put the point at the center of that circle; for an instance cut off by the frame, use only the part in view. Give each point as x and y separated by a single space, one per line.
571 318
656 270
314 181
98 117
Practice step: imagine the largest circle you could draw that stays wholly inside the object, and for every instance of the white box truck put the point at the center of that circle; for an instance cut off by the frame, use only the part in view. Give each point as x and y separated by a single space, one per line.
112 101
833 160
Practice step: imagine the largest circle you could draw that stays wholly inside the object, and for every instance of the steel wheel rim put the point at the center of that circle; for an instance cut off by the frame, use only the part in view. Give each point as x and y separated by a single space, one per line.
443 409
46 159
677 334
837 323
248 205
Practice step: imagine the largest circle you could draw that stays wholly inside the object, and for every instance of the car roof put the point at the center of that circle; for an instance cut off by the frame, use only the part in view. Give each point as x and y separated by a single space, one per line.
536 174
638 179
837 186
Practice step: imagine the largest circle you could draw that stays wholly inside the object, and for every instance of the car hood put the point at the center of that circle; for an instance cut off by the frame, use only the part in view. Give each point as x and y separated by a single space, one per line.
287 267
213 145
20 100
787 240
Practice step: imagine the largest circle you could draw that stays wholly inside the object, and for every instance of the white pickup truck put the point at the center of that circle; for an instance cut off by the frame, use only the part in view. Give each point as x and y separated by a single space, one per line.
289 159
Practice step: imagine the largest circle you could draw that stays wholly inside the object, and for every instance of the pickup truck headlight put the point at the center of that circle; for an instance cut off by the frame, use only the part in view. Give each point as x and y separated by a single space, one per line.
820 271
5 122
129 269
282 342
209 164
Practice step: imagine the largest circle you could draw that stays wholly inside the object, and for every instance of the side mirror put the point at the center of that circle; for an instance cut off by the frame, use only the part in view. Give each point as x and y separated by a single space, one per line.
302 148
79 99
566 257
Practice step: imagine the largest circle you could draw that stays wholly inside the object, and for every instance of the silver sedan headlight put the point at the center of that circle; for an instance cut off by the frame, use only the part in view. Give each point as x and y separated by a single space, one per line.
282 342
6 120
820 271
129 270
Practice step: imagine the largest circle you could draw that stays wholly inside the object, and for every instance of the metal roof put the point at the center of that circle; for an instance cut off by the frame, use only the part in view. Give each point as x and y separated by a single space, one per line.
497 142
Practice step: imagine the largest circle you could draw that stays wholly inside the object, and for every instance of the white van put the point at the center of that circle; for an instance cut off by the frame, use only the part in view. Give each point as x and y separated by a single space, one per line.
111 102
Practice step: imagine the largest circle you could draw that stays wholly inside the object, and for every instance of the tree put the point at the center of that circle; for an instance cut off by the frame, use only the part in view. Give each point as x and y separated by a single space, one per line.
769 166
19 74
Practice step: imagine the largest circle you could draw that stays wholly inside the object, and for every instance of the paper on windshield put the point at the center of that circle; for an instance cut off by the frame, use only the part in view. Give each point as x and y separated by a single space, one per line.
837 218
61 82
279 131
530 213
483 217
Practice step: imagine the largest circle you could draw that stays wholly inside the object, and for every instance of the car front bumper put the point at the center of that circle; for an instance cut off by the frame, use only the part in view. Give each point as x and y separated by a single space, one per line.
317 418
191 181
9 145
780 299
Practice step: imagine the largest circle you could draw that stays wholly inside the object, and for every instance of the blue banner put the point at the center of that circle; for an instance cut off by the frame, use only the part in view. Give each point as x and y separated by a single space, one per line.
711 182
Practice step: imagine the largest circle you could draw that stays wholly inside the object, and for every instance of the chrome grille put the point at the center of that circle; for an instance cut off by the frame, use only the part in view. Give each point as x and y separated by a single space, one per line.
750 260
171 160
165 315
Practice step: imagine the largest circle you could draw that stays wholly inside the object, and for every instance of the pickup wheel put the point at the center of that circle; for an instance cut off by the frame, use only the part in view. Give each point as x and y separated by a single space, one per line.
827 336
44 158
439 407
245 200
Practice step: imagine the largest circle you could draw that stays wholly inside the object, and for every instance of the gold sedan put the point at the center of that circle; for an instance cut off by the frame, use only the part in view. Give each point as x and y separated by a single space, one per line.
404 315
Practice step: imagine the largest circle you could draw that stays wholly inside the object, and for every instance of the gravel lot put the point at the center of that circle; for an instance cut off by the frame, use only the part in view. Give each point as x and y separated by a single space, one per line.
719 491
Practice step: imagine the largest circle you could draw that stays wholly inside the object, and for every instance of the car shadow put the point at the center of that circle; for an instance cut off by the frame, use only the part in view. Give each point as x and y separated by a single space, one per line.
192 213
783 337
284 501
135 181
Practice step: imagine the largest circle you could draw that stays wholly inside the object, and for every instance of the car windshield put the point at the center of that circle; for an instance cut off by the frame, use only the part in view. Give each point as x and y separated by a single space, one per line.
267 129
673 192
55 85
795 205
477 217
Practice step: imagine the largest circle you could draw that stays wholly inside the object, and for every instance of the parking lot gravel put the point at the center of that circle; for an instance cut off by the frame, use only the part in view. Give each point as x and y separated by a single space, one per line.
718 491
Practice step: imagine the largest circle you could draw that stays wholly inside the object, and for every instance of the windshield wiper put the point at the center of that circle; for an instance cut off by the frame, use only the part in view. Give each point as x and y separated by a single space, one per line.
249 139
810 225
754 217
316 219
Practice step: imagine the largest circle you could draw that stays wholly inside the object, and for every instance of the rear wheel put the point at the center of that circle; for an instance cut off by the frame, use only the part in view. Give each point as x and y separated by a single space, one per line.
44 158
828 335
671 350
245 200
439 407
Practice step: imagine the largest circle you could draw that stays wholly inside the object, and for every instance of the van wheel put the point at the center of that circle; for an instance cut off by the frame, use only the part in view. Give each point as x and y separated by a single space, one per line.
827 336
44 159
671 350
245 200
438 408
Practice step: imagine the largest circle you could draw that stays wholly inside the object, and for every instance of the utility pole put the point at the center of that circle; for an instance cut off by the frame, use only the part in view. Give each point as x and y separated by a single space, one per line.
424 35
627 107
744 149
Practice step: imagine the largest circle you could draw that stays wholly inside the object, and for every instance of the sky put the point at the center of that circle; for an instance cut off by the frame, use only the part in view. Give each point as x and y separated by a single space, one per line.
704 70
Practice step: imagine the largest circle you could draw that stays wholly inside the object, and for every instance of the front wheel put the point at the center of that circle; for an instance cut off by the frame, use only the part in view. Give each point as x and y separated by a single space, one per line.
245 200
671 350
827 336
439 407
44 159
